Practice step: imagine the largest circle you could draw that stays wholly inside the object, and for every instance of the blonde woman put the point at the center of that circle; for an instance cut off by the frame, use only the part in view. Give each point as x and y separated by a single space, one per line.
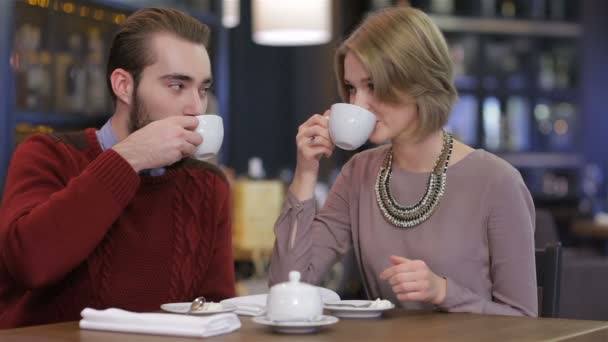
434 223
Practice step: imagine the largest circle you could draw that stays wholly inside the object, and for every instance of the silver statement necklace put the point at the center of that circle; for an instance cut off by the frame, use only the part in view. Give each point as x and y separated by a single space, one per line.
410 216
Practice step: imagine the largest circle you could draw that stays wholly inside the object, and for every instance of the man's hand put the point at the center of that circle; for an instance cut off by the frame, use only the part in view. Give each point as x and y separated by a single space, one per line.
160 143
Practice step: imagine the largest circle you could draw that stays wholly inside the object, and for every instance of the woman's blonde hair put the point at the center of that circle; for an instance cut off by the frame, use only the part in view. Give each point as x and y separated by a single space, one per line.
404 52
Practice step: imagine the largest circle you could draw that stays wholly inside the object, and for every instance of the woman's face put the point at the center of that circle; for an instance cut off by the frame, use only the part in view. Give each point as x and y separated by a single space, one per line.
393 121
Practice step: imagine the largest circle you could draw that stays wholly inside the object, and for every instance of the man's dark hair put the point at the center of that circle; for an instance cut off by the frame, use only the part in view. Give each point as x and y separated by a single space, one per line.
130 48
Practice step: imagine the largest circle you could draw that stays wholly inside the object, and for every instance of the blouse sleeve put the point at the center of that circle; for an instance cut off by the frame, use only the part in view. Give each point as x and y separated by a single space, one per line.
309 242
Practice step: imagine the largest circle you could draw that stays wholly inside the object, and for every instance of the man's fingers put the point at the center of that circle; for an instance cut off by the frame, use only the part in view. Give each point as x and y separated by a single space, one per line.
194 138
186 121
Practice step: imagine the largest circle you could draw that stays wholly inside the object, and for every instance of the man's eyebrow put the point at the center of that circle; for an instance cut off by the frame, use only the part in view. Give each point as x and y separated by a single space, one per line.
177 77
185 78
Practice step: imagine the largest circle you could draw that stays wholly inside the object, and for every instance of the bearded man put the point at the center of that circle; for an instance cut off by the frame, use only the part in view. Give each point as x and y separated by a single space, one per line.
121 216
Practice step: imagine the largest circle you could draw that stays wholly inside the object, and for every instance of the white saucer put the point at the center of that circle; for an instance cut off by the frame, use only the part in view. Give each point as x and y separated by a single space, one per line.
354 312
296 327
184 308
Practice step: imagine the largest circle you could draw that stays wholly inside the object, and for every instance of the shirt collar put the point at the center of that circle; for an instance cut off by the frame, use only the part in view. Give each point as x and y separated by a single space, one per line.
107 139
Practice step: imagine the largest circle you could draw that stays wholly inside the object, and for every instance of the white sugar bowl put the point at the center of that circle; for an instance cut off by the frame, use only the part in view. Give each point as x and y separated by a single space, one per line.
294 301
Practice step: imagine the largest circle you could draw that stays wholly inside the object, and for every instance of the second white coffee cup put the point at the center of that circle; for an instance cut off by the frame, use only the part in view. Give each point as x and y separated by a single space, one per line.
350 125
211 128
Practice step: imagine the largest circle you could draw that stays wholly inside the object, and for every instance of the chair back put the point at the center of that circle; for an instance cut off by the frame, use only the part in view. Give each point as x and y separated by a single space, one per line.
548 276
546 229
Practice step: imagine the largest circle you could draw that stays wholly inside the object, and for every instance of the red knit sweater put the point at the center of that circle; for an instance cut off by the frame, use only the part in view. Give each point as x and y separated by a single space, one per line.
79 228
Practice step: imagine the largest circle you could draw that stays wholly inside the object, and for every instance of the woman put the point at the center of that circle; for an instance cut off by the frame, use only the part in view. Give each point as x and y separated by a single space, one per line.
433 223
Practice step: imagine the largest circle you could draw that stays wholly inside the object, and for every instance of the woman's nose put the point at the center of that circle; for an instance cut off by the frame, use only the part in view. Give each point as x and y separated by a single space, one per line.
361 99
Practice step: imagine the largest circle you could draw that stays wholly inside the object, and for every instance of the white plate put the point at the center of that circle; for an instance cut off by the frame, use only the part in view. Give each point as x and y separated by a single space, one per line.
184 308
296 327
354 312
255 305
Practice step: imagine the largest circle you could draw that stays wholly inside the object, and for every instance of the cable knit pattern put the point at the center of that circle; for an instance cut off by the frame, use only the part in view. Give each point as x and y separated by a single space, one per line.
202 262
180 255
78 229
100 266
191 255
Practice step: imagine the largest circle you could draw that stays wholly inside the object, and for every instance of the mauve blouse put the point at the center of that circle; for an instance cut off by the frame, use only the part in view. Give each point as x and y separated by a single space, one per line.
480 237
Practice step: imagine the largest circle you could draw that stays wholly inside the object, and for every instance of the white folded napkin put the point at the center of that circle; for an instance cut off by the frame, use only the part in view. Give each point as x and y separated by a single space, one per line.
159 323
255 305
328 295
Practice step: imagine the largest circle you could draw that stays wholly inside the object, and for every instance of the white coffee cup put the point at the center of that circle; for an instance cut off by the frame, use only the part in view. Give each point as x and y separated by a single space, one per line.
211 128
350 125
294 301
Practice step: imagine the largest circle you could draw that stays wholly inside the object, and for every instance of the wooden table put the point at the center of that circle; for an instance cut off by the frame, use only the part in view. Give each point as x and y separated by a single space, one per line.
590 228
395 325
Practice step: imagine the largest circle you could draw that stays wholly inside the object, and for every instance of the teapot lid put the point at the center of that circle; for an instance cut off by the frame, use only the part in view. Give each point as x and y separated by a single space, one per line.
294 276
294 283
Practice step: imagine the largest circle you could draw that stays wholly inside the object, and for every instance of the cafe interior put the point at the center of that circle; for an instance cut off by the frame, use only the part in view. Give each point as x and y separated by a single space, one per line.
530 78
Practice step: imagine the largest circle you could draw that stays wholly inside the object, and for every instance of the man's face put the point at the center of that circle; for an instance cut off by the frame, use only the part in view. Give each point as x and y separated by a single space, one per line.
176 84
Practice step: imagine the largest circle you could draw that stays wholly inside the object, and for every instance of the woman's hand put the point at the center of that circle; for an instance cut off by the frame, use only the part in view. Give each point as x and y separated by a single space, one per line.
413 280
313 142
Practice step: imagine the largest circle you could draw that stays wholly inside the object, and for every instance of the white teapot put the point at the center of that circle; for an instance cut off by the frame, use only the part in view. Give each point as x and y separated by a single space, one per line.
294 301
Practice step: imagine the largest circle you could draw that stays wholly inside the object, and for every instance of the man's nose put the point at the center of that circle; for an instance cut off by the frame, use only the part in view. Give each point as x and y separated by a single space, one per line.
196 104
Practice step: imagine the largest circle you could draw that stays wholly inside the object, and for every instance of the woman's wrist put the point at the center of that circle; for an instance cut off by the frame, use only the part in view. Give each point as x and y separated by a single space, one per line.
303 185
442 289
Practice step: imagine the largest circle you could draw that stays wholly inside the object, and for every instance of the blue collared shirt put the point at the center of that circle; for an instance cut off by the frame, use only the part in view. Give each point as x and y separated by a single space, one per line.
107 139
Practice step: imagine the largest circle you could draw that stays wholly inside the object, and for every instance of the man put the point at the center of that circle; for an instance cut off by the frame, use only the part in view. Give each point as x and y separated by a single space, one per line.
121 217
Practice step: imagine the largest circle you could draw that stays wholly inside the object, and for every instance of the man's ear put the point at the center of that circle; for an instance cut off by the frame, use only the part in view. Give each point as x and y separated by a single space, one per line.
122 85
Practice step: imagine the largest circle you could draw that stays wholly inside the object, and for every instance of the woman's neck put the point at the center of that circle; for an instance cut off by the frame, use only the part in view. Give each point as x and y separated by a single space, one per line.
417 156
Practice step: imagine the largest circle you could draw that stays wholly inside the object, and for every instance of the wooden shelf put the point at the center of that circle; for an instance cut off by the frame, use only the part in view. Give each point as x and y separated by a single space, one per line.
508 26
60 120
132 6
543 160
567 95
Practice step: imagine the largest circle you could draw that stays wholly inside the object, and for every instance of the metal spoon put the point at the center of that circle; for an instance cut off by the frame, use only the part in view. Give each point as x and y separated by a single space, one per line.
351 305
196 304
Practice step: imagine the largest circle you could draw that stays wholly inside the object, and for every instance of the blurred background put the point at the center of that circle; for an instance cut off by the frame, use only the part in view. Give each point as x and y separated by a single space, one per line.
530 75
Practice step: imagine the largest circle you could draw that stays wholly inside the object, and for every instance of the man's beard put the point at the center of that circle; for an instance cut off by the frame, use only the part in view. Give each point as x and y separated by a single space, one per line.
139 116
